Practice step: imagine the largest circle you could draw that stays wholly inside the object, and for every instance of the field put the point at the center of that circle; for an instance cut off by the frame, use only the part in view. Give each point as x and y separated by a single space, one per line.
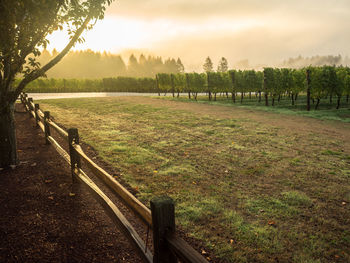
327 111
255 186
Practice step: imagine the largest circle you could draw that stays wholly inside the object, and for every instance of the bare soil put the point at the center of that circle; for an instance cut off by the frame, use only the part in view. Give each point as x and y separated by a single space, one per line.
41 221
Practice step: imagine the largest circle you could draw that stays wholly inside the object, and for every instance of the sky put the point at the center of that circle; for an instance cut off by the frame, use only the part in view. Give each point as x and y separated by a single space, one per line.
262 32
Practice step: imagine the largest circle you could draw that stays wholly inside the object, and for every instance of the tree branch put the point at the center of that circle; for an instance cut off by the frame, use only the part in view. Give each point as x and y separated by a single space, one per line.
26 51
40 72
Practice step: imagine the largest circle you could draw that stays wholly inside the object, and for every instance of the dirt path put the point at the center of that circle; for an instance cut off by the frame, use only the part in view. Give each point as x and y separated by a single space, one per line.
40 221
287 124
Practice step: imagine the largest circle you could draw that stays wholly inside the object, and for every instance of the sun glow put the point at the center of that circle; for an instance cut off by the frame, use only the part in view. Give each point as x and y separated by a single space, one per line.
116 34
110 34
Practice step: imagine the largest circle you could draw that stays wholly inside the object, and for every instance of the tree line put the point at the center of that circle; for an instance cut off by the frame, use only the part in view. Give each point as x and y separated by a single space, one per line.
267 86
93 65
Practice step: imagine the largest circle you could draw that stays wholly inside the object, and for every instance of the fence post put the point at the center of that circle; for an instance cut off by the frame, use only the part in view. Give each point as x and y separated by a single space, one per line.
163 221
30 108
36 108
47 126
73 137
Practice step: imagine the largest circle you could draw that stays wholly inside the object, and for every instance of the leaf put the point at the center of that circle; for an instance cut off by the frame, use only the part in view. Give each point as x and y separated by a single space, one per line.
71 194
271 223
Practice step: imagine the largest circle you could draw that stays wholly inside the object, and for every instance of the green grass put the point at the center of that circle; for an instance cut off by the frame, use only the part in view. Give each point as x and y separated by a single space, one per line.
326 110
251 192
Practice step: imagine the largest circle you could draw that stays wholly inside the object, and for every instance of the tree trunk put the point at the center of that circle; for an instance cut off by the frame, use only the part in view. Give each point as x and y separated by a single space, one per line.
308 92
189 95
215 96
338 102
233 97
8 144
292 96
317 103
259 96
273 101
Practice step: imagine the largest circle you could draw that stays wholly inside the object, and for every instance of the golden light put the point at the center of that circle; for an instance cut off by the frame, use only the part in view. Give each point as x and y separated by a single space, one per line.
115 34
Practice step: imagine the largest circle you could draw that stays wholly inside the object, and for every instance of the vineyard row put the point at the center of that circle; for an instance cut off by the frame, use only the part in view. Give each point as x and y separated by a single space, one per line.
268 85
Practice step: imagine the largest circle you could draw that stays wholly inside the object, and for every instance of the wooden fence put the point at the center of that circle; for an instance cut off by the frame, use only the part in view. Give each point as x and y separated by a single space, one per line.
167 246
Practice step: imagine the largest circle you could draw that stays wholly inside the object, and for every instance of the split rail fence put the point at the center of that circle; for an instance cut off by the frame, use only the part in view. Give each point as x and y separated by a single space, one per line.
167 246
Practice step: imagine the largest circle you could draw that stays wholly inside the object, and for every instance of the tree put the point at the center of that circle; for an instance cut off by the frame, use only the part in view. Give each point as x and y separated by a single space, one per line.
180 66
170 66
133 66
223 65
208 65
24 27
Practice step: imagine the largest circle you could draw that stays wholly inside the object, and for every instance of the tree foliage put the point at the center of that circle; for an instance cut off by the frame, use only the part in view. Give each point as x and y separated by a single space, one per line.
274 83
208 65
24 27
223 65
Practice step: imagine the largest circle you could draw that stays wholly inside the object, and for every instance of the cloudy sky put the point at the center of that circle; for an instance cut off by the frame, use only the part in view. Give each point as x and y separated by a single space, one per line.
264 32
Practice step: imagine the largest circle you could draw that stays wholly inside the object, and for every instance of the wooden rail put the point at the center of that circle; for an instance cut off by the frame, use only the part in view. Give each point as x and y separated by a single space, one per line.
161 218
143 212
114 213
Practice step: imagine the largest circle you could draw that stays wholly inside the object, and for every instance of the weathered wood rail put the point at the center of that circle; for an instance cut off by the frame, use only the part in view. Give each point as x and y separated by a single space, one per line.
167 246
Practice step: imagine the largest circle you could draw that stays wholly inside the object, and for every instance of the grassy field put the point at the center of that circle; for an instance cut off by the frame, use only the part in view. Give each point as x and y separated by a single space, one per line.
255 186
325 111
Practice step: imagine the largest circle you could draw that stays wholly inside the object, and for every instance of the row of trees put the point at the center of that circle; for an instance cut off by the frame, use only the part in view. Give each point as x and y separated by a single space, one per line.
94 65
271 83
118 84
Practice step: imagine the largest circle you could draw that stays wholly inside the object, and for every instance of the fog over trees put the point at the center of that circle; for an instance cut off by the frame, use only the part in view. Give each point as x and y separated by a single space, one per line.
91 64
316 61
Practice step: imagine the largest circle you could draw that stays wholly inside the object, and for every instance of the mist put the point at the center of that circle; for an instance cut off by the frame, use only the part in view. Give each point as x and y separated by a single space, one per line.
249 33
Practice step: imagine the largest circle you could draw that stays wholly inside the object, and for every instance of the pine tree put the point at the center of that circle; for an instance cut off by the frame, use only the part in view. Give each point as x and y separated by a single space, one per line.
133 66
223 65
208 65
180 66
